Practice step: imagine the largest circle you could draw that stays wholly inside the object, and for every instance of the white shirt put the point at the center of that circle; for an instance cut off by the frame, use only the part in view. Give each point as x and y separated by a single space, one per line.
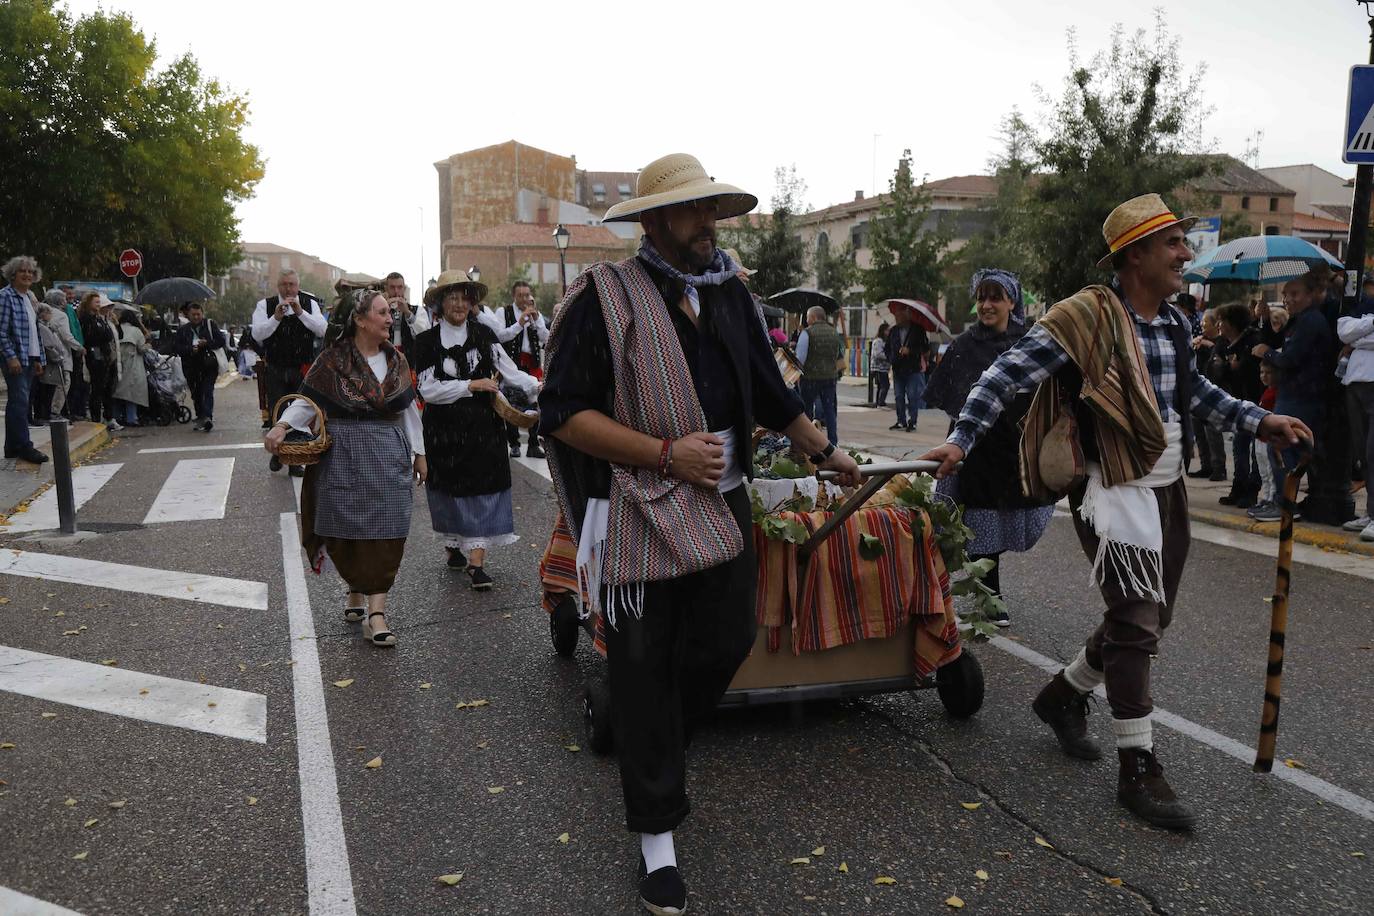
497 322
265 323
301 416
418 321
436 391
1359 333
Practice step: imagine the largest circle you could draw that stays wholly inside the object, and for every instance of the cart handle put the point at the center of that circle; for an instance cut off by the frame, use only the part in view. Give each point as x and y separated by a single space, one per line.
878 475
891 469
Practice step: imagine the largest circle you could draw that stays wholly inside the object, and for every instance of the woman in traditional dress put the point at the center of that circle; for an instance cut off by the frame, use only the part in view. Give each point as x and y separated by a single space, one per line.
990 487
465 439
131 390
355 503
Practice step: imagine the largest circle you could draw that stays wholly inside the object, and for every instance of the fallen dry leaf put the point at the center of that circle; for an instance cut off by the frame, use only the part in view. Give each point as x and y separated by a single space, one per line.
1041 841
117 804
495 790
818 851
1294 764
1358 855
800 860
70 803
981 875
426 686
844 868
571 748
71 632
343 683
252 799
954 903
60 614
143 692
450 880
92 822
1114 882
563 838
7 746
48 715
81 856
4 600
243 667
482 745
109 662
884 879
211 705
970 806
374 764
472 704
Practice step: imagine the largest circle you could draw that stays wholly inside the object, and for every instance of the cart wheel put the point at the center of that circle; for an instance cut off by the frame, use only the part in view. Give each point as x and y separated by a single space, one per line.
564 626
596 711
165 416
183 414
960 685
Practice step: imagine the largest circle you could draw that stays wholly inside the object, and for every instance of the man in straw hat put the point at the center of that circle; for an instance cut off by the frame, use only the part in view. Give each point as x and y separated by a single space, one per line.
1117 360
658 369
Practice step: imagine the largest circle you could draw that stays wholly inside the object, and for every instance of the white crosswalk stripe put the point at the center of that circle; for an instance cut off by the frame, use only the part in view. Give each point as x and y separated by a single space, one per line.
201 448
41 514
13 903
197 489
540 466
144 580
134 695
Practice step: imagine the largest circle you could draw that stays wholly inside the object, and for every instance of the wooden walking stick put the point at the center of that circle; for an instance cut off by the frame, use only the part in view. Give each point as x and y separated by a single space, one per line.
1278 615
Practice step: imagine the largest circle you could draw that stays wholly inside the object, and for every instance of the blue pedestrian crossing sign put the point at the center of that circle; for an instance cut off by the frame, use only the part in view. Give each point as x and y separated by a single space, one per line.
1359 116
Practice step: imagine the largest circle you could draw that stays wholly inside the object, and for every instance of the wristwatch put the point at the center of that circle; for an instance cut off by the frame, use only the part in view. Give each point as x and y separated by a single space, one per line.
823 456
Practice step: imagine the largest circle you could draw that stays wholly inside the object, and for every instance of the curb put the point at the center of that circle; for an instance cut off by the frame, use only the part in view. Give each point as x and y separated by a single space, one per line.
1323 540
42 478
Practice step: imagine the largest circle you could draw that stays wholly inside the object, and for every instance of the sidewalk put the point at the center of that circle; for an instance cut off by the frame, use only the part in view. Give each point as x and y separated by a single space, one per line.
20 481
866 429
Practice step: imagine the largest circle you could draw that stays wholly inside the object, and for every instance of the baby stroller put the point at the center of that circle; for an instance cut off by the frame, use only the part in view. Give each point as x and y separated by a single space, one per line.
166 388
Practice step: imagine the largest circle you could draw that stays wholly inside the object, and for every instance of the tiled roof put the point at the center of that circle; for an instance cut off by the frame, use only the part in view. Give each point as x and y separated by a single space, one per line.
965 184
267 248
1235 177
1301 221
1337 211
533 235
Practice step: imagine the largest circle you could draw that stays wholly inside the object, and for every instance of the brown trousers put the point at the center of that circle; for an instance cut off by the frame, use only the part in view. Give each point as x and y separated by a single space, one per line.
1129 633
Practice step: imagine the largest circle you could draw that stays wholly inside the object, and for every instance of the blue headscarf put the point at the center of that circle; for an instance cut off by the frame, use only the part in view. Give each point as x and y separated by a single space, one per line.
1010 284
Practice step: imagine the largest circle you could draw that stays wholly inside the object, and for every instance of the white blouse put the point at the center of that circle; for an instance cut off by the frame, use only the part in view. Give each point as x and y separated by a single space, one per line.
300 416
436 391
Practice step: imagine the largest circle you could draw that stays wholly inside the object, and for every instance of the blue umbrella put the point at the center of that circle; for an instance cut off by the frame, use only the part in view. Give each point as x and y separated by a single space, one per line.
1259 259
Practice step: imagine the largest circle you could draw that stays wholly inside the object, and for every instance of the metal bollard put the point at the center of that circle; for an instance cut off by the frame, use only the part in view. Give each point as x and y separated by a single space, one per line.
62 476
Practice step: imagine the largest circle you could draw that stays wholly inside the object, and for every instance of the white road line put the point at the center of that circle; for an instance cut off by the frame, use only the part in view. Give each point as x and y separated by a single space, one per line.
200 448
41 514
1324 790
134 695
540 466
197 489
296 484
328 876
13 903
144 580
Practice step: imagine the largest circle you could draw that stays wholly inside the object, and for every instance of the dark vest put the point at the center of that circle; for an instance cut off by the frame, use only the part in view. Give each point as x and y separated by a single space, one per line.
465 442
292 343
823 348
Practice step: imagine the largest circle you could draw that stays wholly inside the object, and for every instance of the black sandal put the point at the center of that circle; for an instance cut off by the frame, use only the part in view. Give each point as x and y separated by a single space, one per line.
378 637
354 614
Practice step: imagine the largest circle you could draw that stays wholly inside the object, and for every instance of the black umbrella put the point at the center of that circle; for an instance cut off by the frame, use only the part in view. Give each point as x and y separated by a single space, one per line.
173 291
797 300
770 311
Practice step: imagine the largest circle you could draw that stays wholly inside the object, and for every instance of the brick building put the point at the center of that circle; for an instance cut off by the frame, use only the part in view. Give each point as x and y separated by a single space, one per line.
478 189
1242 191
263 261
499 250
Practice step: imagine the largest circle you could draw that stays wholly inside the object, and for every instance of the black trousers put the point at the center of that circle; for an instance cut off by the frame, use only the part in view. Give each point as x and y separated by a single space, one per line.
669 669
99 372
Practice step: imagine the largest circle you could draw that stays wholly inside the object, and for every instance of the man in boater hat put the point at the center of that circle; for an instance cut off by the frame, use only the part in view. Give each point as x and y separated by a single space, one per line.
1117 359
658 369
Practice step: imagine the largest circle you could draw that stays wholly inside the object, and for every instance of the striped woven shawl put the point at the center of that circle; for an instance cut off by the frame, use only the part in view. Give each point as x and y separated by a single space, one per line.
658 529
1095 329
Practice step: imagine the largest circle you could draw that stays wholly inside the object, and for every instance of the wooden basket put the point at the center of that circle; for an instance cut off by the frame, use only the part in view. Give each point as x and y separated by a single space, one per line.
506 412
303 453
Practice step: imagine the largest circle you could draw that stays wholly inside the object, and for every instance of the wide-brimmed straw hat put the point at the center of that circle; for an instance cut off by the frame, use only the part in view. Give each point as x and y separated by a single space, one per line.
1135 219
678 179
453 279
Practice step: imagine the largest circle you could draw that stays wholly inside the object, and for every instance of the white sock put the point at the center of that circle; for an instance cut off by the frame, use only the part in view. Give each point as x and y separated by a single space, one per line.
1133 733
658 851
1082 676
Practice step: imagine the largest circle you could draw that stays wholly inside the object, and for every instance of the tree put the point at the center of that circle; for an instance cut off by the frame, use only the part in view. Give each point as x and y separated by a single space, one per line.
771 245
836 274
905 250
1126 124
1001 240
100 151
236 305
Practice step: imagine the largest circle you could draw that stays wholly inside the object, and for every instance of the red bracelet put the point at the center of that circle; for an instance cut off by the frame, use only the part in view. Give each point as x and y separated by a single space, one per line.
665 458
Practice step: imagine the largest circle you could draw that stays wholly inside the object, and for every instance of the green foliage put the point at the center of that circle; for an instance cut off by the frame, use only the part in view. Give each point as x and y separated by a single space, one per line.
236 305
100 151
837 273
774 526
1235 226
1127 123
772 245
905 254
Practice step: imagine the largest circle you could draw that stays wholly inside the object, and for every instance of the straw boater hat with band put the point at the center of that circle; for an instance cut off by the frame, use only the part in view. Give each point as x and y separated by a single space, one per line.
678 179
1134 220
453 279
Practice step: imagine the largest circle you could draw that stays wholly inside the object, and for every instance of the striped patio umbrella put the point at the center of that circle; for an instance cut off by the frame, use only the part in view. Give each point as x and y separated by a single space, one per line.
1259 259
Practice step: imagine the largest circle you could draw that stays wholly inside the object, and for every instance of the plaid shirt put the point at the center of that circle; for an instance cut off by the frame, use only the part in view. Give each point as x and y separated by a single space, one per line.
16 327
1038 356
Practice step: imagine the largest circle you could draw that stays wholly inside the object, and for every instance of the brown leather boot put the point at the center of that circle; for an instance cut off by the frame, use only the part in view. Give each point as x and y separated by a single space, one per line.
1065 710
1141 789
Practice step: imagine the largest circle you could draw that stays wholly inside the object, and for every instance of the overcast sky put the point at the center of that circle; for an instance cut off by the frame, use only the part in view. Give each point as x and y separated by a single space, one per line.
387 89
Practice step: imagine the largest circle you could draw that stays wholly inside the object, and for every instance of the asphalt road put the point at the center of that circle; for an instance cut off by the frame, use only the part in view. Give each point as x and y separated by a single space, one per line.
488 791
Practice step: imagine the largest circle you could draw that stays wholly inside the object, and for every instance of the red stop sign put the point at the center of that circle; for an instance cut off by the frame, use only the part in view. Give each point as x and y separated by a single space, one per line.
130 262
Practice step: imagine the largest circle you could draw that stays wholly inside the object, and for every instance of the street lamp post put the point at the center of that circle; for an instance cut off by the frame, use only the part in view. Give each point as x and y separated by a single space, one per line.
561 237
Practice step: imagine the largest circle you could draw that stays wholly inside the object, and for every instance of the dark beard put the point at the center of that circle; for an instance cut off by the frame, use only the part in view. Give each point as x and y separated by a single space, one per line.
688 255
